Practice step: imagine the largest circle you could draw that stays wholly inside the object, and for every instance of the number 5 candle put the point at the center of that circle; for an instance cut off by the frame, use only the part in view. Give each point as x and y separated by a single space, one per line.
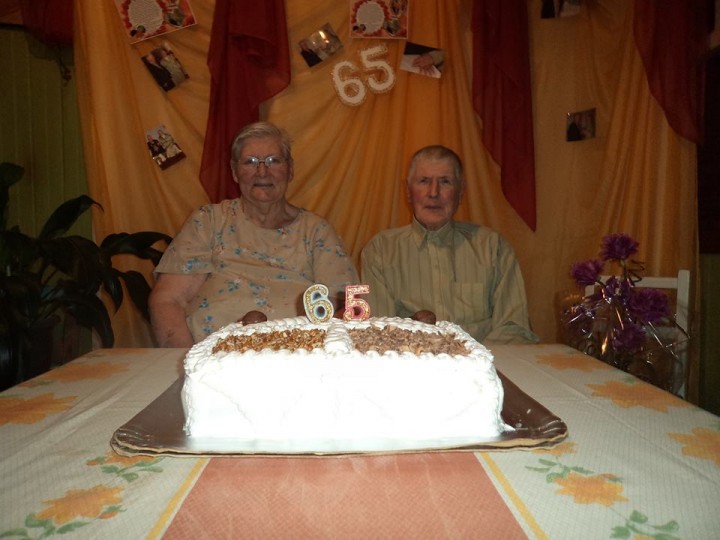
356 309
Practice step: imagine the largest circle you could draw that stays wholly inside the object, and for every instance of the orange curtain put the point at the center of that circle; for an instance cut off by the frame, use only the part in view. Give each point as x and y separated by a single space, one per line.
637 175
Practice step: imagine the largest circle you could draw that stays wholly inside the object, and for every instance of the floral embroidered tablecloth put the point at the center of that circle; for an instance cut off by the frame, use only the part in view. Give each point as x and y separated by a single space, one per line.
637 463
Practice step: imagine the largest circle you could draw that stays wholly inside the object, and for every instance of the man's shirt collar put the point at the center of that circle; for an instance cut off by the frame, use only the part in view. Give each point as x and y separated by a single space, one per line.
442 236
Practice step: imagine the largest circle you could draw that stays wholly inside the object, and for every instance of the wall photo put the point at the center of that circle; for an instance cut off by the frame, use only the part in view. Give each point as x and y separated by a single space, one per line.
165 67
144 19
423 60
163 148
385 19
320 45
580 125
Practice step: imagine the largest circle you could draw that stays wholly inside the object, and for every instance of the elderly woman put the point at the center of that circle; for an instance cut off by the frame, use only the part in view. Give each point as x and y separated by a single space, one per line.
254 253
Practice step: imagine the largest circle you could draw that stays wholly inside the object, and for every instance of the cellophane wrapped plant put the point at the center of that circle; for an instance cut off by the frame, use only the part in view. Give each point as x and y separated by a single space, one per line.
623 325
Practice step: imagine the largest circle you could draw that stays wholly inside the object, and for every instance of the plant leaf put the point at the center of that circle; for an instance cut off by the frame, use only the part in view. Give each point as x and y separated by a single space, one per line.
21 298
138 244
111 284
139 290
78 258
18 251
65 216
10 174
54 274
90 312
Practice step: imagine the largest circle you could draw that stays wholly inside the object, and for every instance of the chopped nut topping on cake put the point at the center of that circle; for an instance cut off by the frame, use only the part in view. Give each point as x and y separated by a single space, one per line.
284 339
392 338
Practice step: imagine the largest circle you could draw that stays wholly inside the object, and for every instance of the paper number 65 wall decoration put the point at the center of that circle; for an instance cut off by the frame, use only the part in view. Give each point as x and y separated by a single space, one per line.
351 82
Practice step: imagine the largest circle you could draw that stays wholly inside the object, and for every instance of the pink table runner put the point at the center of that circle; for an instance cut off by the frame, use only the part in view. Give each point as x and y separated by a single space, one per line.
431 495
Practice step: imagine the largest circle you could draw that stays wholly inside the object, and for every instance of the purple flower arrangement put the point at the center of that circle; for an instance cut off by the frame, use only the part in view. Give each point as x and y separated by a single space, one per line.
620 323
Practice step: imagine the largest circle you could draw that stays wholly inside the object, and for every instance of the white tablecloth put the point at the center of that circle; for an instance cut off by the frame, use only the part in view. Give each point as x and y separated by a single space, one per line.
637 463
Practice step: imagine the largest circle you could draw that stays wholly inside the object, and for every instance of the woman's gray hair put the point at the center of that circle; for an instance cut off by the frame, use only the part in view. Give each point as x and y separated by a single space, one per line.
261 130
437 152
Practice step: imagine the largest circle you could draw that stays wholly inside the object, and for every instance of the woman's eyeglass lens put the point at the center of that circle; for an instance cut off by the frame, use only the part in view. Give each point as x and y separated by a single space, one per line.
269 161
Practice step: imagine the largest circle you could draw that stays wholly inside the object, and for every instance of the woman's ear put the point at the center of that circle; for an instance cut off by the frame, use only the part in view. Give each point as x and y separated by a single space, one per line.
291 171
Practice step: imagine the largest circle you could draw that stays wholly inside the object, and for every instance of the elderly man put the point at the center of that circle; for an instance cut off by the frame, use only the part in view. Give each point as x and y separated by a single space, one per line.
462 272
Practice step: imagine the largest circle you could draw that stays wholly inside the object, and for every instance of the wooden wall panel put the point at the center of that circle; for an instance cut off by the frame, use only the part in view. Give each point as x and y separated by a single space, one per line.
39 129
708 335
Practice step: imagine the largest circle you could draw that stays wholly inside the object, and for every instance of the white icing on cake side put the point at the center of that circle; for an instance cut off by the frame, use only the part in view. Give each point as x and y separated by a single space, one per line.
335 398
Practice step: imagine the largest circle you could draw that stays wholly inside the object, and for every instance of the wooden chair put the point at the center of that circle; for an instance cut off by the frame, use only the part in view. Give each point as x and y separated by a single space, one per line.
680 284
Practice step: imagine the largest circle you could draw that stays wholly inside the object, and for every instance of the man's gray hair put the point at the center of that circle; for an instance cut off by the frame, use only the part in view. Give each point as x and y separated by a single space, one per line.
261 130
437 152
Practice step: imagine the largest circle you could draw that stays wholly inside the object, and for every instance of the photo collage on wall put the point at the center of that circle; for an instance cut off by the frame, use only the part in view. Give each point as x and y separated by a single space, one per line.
368 71
145 19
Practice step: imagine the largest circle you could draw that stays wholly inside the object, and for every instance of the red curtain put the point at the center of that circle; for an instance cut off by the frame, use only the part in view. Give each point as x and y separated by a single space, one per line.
50 21
249 63
502 96
673 39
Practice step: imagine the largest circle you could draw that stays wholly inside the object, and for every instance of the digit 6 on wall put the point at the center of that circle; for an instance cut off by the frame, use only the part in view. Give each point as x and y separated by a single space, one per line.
351 82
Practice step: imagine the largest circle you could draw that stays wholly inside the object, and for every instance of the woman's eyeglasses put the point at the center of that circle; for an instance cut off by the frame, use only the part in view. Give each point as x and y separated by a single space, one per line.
269 161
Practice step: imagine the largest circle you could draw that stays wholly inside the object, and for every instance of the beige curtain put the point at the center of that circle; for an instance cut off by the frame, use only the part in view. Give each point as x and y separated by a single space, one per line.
636 175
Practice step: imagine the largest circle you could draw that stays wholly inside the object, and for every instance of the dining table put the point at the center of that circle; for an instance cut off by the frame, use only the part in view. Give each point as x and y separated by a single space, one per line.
634 462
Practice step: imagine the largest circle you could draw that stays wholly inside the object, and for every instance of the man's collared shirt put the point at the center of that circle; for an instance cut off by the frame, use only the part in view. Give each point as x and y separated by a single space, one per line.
462 272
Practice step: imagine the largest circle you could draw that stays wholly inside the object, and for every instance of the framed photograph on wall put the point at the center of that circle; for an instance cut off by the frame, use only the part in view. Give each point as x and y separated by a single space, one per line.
144 19
580 125
163 148
383 19
422 60
319 45
165 67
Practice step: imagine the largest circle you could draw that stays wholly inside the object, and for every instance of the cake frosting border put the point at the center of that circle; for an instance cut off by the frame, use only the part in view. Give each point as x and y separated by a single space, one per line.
338 343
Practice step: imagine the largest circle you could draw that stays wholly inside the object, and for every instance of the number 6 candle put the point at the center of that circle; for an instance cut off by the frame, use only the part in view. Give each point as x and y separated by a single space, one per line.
318 307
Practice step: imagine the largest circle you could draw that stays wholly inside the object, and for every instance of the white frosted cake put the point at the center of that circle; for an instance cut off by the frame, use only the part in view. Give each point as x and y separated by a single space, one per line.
291 386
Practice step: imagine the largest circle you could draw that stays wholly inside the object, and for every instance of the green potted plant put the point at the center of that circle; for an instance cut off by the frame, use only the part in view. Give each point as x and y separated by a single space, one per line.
53 276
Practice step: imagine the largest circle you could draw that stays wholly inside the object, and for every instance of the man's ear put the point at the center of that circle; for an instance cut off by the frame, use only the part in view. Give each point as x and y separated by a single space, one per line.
461 192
